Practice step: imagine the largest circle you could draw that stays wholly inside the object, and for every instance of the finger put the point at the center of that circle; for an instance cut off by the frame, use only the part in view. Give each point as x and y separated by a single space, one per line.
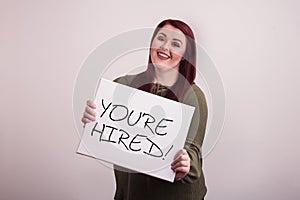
181 169
179 176
91 104
90 111
89 117
180 152
182 161
181 164
183 157
85 120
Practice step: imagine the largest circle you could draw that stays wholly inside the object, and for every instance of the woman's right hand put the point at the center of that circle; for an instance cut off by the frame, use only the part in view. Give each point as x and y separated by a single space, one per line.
89 114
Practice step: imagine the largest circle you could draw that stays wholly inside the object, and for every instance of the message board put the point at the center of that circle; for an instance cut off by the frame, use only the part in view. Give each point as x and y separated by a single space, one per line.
136 130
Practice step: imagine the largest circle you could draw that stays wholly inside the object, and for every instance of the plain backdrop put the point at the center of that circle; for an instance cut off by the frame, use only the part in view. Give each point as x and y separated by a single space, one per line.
254 44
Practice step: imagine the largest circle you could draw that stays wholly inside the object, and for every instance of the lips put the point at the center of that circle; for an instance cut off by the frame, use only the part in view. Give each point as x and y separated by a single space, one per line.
162 55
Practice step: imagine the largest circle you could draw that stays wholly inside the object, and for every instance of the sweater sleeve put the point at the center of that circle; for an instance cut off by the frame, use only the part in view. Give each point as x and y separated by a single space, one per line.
195 97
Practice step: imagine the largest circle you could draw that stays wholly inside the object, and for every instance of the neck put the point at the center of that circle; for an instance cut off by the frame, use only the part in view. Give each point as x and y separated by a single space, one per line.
167 78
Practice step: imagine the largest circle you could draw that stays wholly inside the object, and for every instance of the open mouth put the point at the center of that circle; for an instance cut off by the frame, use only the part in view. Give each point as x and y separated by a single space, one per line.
163 55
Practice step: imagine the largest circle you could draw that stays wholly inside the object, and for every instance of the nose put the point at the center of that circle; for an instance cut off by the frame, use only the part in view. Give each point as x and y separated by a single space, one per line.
165 46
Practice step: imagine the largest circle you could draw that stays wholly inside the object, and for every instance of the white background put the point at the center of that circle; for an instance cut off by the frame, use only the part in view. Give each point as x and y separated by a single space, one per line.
254 44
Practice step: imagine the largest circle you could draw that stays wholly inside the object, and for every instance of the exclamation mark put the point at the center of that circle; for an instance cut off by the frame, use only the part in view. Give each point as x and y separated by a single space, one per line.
168 152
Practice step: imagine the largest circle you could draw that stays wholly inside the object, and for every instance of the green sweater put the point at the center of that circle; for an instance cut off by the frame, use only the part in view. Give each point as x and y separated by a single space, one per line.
138 186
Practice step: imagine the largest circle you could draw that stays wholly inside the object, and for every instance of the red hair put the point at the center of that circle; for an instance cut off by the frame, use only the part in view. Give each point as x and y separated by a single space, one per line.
187 68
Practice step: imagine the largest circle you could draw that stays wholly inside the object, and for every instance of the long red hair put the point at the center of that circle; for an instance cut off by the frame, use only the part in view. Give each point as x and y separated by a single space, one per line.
187 67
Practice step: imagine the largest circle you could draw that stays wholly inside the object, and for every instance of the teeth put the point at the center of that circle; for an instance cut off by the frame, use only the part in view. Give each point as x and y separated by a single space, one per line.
163 55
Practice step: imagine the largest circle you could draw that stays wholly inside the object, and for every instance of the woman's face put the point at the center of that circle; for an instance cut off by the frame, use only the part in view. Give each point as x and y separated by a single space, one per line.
168 48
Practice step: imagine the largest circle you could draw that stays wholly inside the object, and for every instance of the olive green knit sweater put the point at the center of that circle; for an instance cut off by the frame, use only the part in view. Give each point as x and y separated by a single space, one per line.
137 186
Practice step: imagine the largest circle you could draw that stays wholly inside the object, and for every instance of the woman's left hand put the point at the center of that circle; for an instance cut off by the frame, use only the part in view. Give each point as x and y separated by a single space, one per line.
181 164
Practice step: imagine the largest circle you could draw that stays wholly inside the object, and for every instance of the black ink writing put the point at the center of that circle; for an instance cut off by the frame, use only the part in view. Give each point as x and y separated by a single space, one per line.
105 108
162 126
150 150
135 142
128 121
147 121
121 138
121 107
120 112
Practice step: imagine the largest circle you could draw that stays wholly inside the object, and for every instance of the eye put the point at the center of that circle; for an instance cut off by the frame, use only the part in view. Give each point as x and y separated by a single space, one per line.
161 38
176 44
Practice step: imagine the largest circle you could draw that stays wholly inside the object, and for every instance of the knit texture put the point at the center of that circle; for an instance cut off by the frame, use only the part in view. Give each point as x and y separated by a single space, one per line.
138 186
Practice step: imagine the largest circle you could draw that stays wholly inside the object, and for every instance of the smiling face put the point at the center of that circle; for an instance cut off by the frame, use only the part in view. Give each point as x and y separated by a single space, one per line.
168 48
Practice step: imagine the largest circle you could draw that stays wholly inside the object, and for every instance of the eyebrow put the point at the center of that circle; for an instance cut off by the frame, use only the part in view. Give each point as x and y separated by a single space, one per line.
173 38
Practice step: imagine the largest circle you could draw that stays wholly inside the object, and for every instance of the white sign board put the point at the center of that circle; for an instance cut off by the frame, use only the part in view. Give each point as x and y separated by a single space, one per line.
136 130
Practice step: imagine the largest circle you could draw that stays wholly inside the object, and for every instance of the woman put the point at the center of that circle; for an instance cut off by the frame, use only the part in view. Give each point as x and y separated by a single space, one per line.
170 73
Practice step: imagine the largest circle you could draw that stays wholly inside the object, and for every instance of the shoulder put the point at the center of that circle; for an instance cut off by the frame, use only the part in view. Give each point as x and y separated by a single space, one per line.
194 96
125 80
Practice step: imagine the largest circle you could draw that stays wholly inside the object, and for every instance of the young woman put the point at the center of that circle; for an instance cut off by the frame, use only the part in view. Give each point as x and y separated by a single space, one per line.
170 73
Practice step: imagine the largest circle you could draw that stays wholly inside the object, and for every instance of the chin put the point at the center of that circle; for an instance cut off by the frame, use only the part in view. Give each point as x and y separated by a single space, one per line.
161 65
